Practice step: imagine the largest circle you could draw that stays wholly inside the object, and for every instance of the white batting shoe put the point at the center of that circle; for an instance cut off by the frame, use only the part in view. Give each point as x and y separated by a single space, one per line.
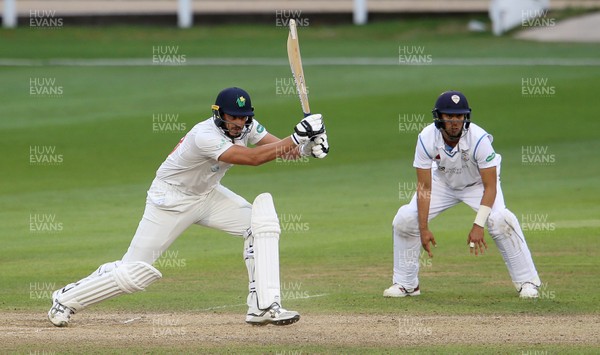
274 315
59 314
398 291
528 290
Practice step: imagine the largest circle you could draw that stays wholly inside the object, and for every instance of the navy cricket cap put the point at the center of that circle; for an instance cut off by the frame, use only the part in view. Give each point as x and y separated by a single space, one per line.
235 102
452 102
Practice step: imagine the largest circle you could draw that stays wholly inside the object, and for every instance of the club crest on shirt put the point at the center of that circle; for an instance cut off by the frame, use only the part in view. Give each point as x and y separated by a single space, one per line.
214 168
464 155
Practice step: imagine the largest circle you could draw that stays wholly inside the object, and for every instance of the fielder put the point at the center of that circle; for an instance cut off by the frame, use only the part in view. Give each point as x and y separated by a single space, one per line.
187 191
456 163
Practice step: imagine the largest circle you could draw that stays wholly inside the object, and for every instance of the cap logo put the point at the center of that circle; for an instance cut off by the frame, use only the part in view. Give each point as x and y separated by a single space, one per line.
241 101
455 98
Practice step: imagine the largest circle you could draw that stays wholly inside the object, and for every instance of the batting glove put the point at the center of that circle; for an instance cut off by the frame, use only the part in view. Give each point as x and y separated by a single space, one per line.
309 127
320 147
305 148
317 147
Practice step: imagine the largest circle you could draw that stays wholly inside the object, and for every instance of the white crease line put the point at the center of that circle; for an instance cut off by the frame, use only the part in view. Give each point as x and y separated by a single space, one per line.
131 320
244 304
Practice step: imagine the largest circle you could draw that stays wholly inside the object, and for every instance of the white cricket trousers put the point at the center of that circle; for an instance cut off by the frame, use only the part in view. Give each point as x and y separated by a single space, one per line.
169 212
502 225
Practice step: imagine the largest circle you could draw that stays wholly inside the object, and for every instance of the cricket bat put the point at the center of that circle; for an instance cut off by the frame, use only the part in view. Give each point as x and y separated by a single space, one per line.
293 50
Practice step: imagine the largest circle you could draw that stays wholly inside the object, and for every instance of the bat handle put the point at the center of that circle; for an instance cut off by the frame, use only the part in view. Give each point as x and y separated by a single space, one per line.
306 114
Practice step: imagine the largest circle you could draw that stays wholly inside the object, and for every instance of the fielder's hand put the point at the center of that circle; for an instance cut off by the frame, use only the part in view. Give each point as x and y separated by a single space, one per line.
476 237
309 127
426 238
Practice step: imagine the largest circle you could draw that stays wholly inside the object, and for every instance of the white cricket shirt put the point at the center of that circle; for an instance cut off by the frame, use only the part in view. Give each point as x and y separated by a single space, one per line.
193 166
459 167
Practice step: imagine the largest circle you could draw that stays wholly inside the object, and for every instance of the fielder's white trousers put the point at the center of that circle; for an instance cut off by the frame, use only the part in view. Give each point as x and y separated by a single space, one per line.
502 225
169 212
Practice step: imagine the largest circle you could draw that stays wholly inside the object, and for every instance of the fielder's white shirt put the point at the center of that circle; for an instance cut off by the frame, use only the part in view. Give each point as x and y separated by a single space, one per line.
457 168
193 166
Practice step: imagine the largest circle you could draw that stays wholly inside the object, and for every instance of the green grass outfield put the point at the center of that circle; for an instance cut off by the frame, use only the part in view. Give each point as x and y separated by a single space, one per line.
336 247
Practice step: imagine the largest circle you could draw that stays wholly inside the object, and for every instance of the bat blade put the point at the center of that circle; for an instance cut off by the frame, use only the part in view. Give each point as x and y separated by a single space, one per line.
293 50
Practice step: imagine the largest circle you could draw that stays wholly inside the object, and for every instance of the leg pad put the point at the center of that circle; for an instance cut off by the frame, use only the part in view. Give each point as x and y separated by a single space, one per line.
125 278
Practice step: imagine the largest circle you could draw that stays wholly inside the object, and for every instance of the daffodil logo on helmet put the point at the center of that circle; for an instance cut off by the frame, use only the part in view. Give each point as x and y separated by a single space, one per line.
241 101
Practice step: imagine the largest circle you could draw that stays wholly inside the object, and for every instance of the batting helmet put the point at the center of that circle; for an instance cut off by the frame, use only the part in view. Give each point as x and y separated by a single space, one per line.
451 102
235 102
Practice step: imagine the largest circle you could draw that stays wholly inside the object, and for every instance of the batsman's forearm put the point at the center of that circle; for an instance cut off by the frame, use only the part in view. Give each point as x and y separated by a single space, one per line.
266 152
285 148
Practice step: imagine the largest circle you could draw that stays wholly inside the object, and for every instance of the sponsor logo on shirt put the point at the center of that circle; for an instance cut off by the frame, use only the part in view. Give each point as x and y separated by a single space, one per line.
221 144
457 171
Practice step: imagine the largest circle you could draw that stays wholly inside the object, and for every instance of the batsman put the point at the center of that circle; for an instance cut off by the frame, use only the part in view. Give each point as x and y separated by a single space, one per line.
187 190
455 163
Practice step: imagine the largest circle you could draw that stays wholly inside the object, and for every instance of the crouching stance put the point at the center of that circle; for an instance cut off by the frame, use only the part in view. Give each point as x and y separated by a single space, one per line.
456 163
187 191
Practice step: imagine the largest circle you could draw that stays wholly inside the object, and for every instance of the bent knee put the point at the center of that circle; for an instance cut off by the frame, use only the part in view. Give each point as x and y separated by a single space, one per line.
502 223
406 222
